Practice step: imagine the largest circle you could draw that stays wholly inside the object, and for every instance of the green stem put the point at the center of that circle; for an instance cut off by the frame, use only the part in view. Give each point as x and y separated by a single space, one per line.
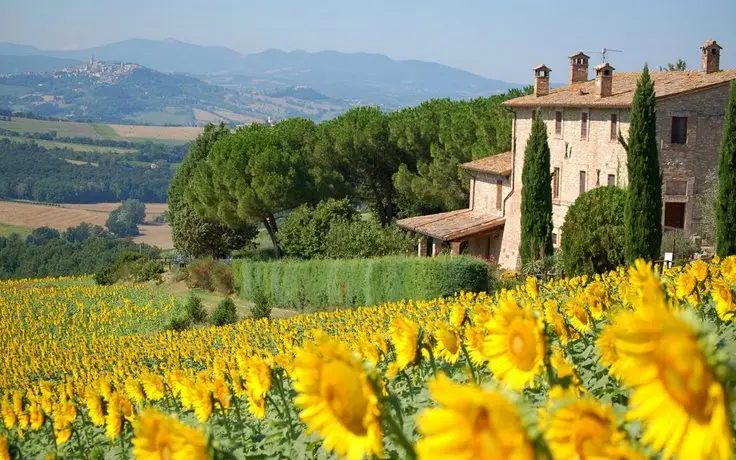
470 363
399 435
431 358
280 390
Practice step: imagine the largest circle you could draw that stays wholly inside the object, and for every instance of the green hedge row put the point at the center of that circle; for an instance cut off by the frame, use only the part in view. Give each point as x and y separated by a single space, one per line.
320 284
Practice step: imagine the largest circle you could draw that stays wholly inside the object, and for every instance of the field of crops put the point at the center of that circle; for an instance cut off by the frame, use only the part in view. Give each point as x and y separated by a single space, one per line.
634 364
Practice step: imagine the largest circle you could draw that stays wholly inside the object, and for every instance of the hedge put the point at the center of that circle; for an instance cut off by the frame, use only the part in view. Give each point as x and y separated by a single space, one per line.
321 284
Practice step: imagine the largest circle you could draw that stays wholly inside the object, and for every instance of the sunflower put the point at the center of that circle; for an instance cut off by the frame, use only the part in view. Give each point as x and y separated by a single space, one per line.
9 416
564 369
158 437
36 417
685 285
596 297
582 428
721 293
448 343
93 401
337 400
470 423
699 269
475 344
531 287
675 392
577 315
4 449
457 315
645 290
403 333
257 385
134 390
153 386
553 318
514 345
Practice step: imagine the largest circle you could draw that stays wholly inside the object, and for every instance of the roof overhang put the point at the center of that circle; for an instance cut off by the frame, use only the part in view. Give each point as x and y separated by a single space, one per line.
453 225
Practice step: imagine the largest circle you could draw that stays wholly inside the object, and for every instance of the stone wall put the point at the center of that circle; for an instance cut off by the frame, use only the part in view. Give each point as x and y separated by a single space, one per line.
598 156
483 192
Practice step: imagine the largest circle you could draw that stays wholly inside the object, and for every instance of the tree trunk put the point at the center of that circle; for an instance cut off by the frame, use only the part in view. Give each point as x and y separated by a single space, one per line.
269 221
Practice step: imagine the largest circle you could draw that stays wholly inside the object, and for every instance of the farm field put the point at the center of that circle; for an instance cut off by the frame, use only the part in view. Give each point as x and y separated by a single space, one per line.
34 215
71 146
173 134
633 364
7 230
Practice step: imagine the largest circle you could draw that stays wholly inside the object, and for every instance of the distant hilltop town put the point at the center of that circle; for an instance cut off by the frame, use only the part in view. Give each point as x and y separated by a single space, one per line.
106 72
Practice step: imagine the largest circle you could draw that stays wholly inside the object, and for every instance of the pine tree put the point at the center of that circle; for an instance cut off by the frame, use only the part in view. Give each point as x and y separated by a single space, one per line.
726 211
643 213
536 196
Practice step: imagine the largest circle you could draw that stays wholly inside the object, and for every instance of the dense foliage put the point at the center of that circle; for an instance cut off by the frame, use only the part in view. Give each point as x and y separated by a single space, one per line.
536 195
32 172
192 233
364 238
643 212
317 284
124 220
726 211
302 233
81 250
593 232
573 368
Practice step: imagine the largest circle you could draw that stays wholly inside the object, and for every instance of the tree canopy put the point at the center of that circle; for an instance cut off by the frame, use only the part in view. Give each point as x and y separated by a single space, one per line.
726 210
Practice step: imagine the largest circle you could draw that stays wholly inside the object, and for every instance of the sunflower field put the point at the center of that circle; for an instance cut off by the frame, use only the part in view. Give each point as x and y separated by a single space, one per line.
637 363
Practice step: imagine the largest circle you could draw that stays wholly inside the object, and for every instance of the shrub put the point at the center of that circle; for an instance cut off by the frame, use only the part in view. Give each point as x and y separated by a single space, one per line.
319 284
224 313
365 238
302 234
678 242
195 310
261 306
211 275
179 323
593 232
106 276
146 270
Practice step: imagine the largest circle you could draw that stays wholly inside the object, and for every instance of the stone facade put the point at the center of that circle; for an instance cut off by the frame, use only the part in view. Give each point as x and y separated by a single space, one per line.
598 158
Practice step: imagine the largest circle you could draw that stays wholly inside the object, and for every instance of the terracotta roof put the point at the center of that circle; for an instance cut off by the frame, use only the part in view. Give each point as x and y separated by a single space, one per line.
579 54
500 163
666 84
453 225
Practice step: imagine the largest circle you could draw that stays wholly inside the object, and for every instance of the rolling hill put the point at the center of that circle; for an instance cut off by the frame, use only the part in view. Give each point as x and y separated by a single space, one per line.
357 77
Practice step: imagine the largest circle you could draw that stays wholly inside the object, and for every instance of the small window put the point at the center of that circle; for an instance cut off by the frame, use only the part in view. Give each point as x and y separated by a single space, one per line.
614 127
558 123
679 130
597 177
611 179
584 125
499 193
554 239
583 180
556 183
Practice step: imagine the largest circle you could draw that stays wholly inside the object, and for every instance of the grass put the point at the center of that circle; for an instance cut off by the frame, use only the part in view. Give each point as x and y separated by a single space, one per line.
105 131
72 146
7 229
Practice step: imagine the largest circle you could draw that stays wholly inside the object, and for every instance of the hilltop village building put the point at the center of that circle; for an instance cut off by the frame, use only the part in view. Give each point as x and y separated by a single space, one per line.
583 121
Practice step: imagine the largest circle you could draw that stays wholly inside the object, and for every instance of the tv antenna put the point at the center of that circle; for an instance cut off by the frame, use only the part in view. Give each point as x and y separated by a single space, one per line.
604 53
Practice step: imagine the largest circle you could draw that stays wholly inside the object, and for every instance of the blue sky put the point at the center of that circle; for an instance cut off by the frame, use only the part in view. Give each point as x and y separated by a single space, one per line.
495 39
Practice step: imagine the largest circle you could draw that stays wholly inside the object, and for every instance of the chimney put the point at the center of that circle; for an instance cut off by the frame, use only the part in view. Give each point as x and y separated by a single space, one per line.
541 80
603 80
711 58
578 67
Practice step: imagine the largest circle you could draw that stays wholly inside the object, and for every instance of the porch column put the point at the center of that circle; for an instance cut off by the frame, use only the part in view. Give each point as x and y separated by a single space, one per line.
436 246
422 249
455 248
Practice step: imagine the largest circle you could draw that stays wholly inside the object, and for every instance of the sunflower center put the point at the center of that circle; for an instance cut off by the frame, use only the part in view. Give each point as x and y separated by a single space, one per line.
685 375
342 390
590 435
522 344
486 443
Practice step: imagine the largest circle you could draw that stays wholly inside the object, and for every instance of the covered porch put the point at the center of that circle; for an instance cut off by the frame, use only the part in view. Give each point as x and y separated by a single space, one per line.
464 231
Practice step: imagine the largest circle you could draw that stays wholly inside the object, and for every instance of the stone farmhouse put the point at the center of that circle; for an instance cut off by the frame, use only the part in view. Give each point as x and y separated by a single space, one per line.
583 122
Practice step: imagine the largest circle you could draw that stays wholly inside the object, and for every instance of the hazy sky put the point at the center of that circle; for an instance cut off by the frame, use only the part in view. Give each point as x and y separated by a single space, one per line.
498 39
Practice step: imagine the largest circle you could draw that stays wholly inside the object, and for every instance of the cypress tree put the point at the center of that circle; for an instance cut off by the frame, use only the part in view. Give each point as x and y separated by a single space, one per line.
536 195
726 211
643 212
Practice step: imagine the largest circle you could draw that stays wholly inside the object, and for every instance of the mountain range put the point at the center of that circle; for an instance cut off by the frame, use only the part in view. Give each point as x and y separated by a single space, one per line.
363 78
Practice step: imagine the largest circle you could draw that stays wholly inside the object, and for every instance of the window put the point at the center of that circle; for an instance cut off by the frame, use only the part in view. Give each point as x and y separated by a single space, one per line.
679 130
554 239
584 125
674 215
611 179
558 123
499 193
556 183
597 177
582 182
614 127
